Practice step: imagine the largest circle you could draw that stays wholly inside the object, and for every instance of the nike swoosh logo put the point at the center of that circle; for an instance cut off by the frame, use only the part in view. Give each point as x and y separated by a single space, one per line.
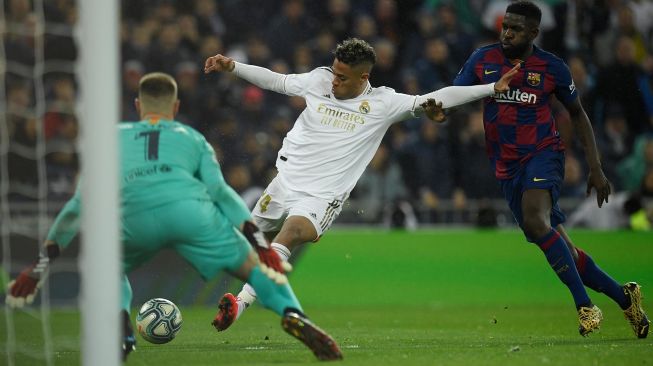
488 72
538 179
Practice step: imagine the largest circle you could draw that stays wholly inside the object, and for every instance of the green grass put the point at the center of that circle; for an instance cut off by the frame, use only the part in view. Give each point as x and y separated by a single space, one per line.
394 298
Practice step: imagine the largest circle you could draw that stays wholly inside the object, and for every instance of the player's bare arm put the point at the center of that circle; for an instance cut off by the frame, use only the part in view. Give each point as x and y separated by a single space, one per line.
219 63
503 85
583 128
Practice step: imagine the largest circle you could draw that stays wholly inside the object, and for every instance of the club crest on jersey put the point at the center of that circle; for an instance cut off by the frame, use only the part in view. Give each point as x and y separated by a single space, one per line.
364 107
534 78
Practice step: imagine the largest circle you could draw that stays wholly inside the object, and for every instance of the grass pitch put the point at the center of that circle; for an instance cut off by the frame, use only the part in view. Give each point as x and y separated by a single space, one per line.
396 298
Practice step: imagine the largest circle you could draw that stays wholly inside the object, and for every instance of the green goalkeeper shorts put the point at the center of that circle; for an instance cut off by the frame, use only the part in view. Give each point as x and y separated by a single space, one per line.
196 229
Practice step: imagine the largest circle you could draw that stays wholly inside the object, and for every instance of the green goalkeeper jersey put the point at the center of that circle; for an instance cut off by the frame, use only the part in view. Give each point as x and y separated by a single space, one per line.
160 162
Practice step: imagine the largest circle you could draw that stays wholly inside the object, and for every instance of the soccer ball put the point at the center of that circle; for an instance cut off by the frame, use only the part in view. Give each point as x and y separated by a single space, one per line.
158 321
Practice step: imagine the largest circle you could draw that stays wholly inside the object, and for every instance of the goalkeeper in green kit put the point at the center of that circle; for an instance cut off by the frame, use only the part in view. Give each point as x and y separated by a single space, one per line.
173 195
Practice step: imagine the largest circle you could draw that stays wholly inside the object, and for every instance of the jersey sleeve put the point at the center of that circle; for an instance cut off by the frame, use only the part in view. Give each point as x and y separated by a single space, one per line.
300 84
66 224
565 89
466 75
220 192
399 106
290 84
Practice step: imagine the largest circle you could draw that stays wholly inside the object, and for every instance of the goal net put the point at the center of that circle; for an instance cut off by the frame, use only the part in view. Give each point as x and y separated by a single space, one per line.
58 111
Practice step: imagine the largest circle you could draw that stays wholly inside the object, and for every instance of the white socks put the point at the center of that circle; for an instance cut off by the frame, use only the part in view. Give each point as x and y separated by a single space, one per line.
282 250
247 295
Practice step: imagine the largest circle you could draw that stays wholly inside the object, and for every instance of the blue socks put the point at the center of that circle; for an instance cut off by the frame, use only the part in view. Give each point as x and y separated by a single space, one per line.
275 297
599 281
557 254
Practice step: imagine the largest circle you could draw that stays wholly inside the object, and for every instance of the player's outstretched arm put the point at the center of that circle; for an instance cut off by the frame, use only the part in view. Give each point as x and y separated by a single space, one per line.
259 76
24 288
583 128
453 96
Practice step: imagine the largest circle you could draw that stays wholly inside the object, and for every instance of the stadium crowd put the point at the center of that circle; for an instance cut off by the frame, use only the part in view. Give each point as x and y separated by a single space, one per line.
420 46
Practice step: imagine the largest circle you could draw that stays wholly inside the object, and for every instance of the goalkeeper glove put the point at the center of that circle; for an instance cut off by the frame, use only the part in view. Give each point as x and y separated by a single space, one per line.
24 288
271 265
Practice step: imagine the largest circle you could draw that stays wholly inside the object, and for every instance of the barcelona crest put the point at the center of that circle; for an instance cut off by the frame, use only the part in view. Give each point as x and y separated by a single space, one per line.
534 78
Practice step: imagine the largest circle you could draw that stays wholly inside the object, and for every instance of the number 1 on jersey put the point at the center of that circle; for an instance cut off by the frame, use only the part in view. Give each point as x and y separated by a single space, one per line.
151 144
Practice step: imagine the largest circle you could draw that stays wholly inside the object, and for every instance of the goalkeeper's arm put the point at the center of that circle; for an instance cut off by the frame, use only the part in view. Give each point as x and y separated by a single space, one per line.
24 288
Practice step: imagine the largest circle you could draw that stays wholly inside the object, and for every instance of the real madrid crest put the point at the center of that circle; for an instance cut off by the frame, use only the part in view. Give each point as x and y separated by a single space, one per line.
534 78
364 107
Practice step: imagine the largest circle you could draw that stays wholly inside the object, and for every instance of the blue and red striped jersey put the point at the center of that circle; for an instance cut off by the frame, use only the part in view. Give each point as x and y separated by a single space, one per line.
520 121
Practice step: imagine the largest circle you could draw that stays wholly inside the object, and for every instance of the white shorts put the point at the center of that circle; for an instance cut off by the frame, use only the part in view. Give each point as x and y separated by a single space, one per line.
278 202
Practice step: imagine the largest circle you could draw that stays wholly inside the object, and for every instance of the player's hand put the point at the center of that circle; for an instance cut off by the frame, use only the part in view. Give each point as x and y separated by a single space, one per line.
434 111
598 181
271 264
219 63
503 85
23 289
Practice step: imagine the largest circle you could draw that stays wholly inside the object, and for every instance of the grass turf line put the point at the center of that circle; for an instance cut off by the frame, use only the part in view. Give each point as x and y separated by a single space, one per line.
431 297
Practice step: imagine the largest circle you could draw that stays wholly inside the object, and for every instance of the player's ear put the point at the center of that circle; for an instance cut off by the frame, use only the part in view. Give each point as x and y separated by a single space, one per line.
137 104
534 32
175 108
365 76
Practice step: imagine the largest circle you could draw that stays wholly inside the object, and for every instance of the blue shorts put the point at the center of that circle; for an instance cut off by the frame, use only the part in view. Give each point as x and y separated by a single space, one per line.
545 170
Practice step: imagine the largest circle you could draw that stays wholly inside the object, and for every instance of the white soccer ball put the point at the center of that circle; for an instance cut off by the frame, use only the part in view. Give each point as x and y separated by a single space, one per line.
158 321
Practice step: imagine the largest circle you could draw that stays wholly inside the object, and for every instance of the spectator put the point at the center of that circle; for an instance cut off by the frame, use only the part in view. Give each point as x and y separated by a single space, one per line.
293 26
632 169
625 82
380 189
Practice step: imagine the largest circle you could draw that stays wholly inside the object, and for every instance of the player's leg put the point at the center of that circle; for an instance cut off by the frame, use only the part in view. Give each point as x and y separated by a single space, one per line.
298 218
295 230
536 208
533 195
268 214
628 296
212 244
140 242
129 339
282 300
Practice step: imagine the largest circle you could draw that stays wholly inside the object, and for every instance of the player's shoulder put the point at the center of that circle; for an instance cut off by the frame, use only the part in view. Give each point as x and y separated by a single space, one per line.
549 57
184 130
380 92
487 52
322 73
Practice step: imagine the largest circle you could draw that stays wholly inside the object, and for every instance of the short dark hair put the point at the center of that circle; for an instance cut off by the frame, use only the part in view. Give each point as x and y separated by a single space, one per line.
354 51
157 85
527 9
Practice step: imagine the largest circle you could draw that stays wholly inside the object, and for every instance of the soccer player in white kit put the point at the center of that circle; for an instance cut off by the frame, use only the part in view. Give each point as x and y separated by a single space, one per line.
329 146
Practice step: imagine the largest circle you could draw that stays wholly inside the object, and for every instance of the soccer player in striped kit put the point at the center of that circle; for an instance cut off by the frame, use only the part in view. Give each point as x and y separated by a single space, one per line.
528 155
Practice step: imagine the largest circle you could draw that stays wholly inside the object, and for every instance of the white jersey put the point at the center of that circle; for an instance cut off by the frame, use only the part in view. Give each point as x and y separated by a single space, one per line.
333 140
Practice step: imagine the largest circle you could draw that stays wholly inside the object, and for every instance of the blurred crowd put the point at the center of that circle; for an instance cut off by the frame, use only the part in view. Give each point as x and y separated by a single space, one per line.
421 170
